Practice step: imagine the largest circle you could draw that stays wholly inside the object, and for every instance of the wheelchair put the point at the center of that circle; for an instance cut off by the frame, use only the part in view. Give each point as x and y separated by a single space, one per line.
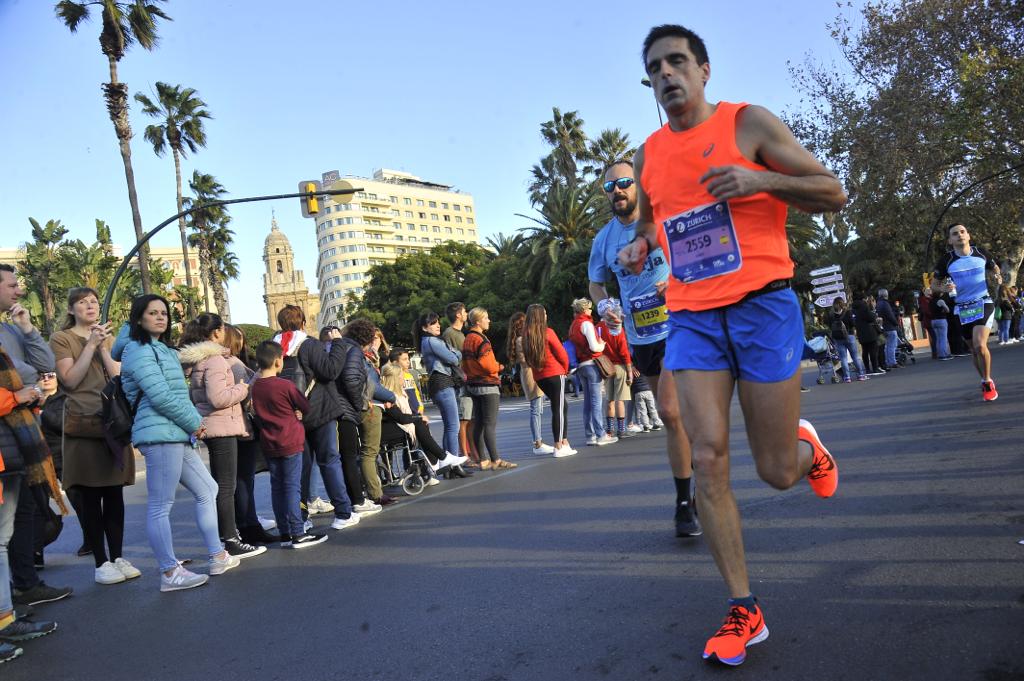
400 463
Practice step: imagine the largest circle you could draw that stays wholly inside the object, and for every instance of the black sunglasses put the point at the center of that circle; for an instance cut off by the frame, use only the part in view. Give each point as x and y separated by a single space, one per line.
621 183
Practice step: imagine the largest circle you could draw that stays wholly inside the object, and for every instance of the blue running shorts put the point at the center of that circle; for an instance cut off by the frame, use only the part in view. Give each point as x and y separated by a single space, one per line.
760 339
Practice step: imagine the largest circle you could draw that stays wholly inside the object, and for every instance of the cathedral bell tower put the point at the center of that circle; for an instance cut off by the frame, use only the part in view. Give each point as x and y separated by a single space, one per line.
283 284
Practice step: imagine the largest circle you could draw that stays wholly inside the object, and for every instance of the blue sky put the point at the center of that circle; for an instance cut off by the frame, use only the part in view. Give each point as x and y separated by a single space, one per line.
451 92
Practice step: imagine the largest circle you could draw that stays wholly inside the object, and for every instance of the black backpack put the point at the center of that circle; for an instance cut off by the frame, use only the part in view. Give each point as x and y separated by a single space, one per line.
118 414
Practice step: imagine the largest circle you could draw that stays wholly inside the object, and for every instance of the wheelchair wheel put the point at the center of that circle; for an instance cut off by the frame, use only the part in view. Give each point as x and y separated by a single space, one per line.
413 484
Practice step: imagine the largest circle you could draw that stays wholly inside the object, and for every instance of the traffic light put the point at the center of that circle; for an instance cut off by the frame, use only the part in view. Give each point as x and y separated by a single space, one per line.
310 202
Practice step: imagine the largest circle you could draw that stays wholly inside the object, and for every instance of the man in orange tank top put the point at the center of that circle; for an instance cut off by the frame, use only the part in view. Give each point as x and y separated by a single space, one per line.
714 187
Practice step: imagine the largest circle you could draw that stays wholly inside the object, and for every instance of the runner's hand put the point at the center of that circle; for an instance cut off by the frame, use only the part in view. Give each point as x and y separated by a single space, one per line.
634 255
660 287
732 182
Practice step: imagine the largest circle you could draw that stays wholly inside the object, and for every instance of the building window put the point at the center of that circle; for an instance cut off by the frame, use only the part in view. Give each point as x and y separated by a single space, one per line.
457 207
460 231
393 199
280 267
408 202
398 237
447 218
277 250
408 213
433 216
425 239
469 209
433 204
469 221
447 230
444 205
424 228
423 216
419 202
437 229
458 219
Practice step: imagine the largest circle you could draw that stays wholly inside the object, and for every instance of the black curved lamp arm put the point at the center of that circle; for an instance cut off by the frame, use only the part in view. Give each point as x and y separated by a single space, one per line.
105 312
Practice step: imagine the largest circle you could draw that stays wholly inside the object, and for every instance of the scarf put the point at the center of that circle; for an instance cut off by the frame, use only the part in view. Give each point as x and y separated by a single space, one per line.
34 451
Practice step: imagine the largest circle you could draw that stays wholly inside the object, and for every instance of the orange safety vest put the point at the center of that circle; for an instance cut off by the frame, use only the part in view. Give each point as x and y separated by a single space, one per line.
718 251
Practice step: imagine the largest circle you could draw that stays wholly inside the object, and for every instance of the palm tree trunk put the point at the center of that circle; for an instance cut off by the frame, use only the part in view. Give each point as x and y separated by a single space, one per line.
220 298
204 269
116 95
181 222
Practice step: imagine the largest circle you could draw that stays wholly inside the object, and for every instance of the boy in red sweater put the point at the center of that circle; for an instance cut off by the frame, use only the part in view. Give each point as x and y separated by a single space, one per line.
616 386
278 407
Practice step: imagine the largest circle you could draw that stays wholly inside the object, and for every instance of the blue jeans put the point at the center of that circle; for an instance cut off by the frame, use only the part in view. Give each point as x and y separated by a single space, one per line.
167 464
285 486
323 442
536 413
850 345
447 400
940 329
891 341
591 379
1004 329
12 486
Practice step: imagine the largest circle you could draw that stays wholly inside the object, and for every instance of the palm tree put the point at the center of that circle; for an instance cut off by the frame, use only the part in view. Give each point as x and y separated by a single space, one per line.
501 246
43 256
211 237
93 264
610 146
569 219
223 266
123 24
181 114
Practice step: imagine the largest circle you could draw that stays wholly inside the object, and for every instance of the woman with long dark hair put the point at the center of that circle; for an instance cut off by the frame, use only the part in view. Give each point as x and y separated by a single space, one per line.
91 476
166 429
442 366
218 394
547 358
514 350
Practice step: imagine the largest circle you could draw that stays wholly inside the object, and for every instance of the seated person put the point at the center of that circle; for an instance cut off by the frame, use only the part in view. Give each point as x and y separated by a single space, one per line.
399 421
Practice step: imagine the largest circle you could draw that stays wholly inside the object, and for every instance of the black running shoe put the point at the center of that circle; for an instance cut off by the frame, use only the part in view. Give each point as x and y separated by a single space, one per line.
238 548
23 630
8 652
40 593
687 524
305 540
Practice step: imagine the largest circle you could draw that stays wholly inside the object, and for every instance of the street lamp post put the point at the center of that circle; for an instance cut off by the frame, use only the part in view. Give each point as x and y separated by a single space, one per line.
105 312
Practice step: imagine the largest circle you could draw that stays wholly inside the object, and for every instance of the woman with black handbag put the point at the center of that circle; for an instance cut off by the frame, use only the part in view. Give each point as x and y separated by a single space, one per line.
91 473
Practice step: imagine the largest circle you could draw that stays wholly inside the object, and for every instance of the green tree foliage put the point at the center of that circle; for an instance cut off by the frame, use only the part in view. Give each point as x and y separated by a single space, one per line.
212 238
123 23
254 335
935 102
181 114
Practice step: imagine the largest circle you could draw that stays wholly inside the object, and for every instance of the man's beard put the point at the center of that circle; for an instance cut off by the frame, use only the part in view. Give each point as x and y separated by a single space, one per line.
626 211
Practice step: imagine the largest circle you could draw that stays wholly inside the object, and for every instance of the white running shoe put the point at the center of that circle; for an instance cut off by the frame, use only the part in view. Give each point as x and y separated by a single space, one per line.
367 508
127 569
342 523
219 566
318 506
635 428
448 460
432 481
592 441
180 579
109 574
544 449
606 439
563 452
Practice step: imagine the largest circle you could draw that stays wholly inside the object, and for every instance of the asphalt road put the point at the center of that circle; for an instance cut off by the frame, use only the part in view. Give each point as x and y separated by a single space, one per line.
567 569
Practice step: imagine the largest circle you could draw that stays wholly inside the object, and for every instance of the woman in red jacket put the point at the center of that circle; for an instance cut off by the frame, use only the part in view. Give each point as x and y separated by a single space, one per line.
550 364
483 383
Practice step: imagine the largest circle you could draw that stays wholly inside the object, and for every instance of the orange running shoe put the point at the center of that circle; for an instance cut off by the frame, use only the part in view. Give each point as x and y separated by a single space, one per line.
824 474
988 391
741 628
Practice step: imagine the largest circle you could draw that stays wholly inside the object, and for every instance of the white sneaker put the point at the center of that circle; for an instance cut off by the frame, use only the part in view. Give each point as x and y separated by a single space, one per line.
367 508
307 525
180 579
592 440
563 452
635 428
432 481
219 566
267 523
448 460
342 523
606 439
109 574
318 506
544 449
127 569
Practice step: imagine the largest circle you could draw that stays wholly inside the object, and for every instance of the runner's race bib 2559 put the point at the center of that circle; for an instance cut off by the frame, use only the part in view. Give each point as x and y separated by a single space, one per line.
650 316
702 243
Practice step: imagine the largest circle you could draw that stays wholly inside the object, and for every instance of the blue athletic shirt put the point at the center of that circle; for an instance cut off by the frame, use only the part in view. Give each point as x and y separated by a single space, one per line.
645 311
968 273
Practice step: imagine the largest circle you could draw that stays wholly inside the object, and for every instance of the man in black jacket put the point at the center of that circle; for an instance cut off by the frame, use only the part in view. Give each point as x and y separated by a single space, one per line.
841 328
890 326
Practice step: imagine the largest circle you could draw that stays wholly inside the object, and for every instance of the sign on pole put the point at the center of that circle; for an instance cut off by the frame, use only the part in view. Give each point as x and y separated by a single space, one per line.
826 280
827 299
825 270
829 288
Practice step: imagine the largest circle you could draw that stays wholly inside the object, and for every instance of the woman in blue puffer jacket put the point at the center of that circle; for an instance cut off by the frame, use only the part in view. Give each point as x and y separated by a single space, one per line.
165 430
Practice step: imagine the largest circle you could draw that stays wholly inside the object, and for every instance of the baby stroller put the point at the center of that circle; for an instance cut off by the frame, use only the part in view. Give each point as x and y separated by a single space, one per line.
400 463
904 352
822 350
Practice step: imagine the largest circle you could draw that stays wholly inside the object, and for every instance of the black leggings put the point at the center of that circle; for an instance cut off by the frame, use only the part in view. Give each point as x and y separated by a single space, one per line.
554 388
348 447
224 468
245 484
101 514
485 424
870 353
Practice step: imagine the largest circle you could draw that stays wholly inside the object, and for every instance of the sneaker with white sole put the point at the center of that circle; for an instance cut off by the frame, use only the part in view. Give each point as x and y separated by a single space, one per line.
432 481
367 508
635 428
318 506
109 574
592 441
305 541
563 452
180 578
606 439
219 566
267 523
240 549
127 569
544 449
448 460
342 523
